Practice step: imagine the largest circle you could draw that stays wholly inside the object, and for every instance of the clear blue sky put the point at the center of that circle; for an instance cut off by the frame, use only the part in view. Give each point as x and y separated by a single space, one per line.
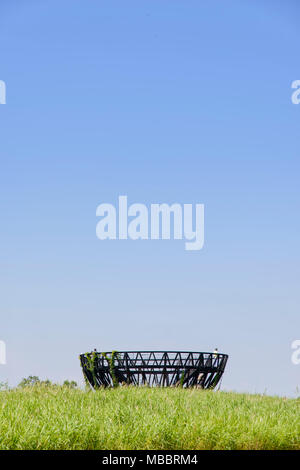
163 101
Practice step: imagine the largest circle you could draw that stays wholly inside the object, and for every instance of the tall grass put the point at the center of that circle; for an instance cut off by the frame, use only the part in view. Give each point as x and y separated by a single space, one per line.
53 417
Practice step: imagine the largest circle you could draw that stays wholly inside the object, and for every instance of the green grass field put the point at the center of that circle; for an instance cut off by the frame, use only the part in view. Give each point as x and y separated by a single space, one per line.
55 417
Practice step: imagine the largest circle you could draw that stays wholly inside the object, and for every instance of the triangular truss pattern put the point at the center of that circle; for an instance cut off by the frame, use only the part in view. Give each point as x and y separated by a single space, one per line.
154 368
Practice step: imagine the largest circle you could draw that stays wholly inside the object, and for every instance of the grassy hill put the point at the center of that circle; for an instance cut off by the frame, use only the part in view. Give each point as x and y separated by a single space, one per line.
54 417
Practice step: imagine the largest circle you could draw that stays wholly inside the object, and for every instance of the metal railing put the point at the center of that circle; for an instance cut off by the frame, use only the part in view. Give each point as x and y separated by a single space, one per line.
154 368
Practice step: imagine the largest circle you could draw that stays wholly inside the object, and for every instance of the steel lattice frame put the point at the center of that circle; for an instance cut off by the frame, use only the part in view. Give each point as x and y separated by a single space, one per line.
154 368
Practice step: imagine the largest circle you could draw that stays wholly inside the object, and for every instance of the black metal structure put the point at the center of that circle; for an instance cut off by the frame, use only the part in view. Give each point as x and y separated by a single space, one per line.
153 368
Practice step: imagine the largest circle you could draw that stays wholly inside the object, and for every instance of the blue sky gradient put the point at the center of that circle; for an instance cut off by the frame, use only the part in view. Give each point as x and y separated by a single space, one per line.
163 101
